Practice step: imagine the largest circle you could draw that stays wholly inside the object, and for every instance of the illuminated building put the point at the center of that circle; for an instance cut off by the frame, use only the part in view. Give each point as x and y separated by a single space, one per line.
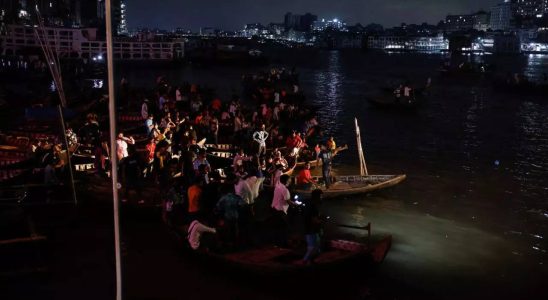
85 43
404 43
502 16
324 24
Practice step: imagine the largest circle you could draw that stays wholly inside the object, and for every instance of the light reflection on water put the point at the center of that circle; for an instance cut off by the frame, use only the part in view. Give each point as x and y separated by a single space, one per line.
329 94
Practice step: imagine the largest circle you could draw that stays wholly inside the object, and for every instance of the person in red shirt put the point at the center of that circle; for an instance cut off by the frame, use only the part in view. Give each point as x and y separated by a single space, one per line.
151 148
305 179
216 104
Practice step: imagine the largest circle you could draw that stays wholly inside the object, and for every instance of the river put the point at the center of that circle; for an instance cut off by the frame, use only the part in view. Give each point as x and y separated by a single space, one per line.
472 217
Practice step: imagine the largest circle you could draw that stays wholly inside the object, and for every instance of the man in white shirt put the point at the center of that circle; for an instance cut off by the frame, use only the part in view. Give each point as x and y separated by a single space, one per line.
282 197
195 231
122 144
260 137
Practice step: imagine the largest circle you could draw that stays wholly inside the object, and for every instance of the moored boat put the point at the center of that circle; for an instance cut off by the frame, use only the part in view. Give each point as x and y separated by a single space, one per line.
272 260
354 184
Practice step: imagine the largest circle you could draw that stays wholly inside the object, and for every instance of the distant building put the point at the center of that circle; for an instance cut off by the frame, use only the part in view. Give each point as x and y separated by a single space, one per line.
86 43
405 43
299 22
478 21
276 29
255 29
459 22
481 20
502 16
324 24
531 8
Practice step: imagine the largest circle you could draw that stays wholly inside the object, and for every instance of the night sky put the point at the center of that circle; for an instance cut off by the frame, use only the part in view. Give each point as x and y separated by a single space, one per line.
233 14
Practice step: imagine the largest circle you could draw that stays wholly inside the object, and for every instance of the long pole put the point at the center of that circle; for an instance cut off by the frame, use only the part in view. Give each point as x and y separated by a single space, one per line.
363 165
52 59
68 153
113 158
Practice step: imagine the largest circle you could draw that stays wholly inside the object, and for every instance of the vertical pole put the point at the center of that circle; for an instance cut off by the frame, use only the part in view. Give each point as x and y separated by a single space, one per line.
113 158
68 154
363 166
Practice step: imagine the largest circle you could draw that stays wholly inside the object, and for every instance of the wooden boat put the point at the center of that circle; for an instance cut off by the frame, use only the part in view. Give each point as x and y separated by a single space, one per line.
219 147
335 254
316 162
265 260
353 185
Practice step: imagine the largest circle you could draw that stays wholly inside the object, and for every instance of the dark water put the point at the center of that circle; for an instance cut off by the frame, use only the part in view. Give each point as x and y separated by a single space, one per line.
472 218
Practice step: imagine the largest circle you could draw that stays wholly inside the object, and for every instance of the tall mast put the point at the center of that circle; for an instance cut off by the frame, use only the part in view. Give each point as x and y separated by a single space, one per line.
363 166
113 157
52 59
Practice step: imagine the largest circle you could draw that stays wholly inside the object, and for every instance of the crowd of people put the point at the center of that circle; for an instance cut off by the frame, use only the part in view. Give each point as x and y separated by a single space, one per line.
165 152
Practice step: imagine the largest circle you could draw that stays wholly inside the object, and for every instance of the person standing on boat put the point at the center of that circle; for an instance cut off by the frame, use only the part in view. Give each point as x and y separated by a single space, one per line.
326 156
260 137
280 204
122 145
312 226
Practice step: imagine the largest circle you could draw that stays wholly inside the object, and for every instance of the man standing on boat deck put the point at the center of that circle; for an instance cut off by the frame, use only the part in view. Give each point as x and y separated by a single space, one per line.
260 137
280 204
326 156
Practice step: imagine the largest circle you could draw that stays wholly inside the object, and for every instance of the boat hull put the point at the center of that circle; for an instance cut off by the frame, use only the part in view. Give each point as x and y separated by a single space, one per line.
354 185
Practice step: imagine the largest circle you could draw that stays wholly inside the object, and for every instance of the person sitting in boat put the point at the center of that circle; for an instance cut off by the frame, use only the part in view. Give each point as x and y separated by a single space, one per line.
312 226
305 180
199 236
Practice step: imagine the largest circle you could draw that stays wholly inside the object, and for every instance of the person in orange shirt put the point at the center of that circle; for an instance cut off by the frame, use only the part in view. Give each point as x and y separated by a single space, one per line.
195 199
305 179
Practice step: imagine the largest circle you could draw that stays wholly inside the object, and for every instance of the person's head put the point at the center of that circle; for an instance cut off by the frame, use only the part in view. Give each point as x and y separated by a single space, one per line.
121 135
284 179
241 151
151 141
307 166
263 126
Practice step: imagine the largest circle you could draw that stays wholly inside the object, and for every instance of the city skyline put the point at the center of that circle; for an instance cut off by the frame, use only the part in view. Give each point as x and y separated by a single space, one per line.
193 15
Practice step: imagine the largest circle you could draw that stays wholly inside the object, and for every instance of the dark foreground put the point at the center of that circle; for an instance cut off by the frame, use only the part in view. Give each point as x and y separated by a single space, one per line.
77 262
